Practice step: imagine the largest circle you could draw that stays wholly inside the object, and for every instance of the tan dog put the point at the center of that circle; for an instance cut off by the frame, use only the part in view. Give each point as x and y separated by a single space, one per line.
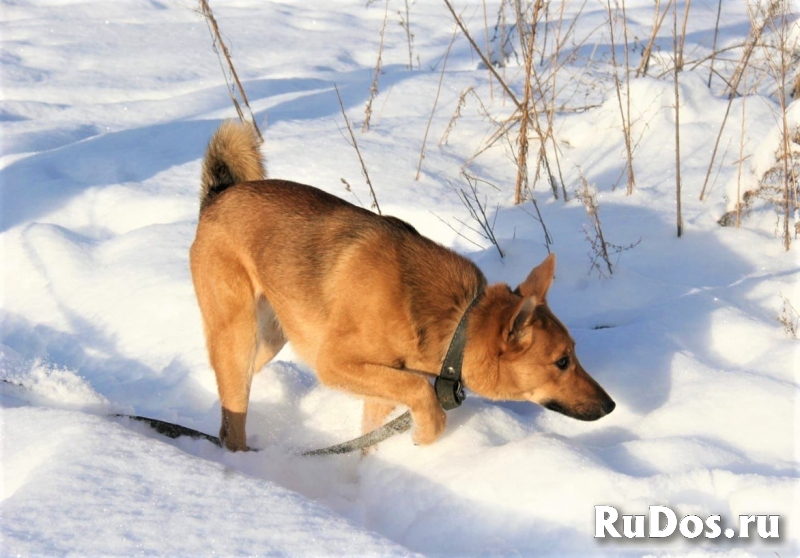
365 300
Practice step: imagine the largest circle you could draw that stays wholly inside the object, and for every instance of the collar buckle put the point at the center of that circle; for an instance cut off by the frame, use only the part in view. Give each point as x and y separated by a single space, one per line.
450 393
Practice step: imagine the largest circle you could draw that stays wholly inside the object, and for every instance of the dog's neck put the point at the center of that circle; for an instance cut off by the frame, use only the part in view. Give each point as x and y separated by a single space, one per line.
481 367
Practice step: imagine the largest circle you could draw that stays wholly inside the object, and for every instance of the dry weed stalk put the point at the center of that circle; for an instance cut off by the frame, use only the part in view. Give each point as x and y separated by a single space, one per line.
740 164
217 43
779 67
525 117
354 143
542 86
789 318
529 113
714 44
373 88
624 115
658 20
779 186
548 240
686 7
601 250
677 57
753 39
522 108
555 63
488 49
435 102
462 102
405 23
482 56
477 211
349 188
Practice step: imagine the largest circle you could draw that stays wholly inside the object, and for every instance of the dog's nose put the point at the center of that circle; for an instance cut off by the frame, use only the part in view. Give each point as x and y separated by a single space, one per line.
609 406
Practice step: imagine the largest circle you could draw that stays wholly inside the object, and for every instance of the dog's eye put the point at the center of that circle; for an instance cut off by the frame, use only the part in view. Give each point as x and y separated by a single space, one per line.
563 363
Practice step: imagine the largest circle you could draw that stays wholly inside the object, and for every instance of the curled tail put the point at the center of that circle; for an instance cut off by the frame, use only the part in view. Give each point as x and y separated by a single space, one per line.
232 156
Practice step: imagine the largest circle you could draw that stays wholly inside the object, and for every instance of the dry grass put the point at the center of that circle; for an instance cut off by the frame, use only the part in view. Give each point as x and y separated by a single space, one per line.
777 60
354 143
218 44
435 102
677 63
471 199
373 88
658 20
789 318
624 110
601 251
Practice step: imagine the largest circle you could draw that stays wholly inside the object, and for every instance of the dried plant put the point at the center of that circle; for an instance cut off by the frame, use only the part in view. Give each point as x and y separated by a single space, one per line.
349 189
658 19
462 102
217 43
602 251
435 102
488 48
525 117
373 88
789 318
471 200
354 143
714 44
548 240
779 185
779 64
405 23
680 49
678 56
759 19
624 111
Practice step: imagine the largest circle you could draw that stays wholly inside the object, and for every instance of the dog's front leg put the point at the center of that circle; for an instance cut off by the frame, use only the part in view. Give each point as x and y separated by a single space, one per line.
375 413
389 384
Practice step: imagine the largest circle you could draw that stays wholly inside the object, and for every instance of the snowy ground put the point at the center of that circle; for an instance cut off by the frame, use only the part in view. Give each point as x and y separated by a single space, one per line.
106 109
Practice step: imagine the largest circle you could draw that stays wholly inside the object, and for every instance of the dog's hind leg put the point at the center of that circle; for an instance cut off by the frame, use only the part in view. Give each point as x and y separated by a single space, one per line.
232 350
271 338
231 326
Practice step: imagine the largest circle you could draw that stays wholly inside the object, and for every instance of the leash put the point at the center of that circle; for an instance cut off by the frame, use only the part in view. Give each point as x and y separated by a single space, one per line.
396 426
171 430
448 386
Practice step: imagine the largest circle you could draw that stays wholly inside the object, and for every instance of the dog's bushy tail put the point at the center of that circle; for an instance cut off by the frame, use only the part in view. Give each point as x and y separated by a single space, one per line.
232 156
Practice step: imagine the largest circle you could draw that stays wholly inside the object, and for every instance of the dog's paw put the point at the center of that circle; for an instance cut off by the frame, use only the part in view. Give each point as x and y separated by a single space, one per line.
234 445
429 426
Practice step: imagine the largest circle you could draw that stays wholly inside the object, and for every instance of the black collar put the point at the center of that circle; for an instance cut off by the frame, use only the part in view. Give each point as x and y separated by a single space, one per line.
448 386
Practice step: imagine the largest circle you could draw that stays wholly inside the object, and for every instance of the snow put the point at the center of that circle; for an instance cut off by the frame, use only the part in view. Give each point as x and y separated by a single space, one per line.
106 109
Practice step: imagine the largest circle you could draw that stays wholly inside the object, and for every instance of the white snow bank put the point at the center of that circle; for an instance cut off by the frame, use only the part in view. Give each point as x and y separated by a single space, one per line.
77 484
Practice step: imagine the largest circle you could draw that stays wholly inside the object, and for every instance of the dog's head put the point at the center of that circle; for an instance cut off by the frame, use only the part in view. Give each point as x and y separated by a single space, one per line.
532 357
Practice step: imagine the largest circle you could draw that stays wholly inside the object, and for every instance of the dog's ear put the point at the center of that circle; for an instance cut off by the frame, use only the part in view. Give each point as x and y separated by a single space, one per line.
538 281
519 330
